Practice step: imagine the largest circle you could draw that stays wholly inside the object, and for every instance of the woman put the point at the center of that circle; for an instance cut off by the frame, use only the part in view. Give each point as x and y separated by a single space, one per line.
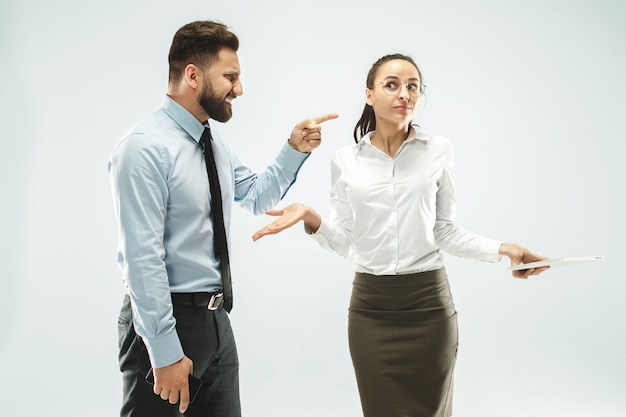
393 213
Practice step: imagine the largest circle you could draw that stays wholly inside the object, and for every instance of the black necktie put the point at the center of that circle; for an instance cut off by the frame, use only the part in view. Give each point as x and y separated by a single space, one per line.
217 216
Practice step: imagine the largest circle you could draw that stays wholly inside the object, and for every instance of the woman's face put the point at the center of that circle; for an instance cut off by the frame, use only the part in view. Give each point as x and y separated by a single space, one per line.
395 94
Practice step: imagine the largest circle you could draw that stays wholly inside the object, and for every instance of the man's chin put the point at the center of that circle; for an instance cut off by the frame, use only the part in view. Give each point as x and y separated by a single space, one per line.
219 113
222 116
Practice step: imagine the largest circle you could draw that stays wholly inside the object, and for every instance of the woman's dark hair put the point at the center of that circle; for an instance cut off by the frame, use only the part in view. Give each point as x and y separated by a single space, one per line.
198 43
367 122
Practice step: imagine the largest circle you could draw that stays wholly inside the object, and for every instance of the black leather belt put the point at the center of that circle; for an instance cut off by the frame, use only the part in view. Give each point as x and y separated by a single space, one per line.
208 300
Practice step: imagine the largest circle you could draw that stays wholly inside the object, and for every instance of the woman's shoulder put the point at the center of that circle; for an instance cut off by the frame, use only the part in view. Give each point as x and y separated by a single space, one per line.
347 150
432 138
434 141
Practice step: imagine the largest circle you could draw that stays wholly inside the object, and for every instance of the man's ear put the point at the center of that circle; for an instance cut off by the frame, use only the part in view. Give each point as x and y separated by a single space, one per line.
192 76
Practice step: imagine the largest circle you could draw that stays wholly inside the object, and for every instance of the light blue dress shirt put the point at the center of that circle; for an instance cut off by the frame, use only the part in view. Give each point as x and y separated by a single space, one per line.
162 204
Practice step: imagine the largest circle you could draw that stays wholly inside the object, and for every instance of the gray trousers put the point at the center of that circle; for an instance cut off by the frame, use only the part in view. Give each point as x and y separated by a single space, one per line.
208 340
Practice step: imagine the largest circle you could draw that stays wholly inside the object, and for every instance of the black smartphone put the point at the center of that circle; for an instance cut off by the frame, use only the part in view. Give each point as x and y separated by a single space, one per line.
194 384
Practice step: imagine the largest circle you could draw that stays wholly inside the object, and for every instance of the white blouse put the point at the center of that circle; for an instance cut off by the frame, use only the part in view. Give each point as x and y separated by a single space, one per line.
394 216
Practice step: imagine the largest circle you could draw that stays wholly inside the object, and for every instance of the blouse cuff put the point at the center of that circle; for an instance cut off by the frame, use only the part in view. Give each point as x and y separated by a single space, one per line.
321 235
492 251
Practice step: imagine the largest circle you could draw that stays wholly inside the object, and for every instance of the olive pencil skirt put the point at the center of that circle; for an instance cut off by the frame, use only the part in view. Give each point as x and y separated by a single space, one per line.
403 337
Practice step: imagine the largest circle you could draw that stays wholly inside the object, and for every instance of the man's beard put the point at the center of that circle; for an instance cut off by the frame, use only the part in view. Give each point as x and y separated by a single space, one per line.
214 106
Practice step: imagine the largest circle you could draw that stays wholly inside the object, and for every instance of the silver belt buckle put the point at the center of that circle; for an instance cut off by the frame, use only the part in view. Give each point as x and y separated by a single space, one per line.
215 301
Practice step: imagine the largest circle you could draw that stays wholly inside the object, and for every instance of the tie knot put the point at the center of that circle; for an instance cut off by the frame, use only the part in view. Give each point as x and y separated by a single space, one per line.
206 137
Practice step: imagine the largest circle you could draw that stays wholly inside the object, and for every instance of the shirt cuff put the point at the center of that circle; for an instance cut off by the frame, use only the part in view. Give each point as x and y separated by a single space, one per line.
492 250
164 350
291 159
321 235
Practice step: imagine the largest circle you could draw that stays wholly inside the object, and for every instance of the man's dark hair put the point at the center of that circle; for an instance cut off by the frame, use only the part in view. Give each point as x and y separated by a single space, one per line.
198 43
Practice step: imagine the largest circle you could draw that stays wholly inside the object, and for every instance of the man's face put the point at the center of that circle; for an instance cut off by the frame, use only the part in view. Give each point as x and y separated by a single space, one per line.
221 85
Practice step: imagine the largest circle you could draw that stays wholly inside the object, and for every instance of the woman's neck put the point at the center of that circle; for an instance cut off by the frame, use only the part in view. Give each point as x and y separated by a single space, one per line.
389 140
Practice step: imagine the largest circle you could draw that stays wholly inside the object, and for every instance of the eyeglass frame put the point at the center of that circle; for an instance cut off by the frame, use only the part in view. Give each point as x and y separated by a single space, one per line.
421 90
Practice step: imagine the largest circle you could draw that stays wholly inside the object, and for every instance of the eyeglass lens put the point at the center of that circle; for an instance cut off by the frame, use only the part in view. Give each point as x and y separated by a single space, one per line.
392 87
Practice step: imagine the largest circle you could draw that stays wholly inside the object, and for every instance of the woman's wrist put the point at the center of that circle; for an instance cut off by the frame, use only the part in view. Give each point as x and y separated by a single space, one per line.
511 250
312 220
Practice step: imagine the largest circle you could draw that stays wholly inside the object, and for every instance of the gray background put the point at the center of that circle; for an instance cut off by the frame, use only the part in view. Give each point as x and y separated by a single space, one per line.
530 92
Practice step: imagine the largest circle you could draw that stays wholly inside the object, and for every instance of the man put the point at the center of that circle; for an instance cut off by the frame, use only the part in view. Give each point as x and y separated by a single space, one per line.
172 233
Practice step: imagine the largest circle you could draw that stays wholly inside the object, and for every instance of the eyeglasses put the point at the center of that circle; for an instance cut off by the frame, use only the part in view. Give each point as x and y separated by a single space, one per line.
392 87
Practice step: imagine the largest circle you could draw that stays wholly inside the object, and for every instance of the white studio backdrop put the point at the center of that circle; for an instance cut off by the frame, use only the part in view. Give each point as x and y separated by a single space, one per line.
530 92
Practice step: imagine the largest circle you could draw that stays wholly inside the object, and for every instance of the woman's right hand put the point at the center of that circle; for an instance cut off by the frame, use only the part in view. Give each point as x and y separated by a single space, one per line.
287 217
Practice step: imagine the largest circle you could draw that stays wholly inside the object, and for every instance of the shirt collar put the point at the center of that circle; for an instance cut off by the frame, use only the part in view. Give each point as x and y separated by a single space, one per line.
183 117
414 134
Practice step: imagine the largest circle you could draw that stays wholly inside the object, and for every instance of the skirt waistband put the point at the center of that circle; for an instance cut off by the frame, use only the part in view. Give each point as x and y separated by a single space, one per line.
425 275
424 291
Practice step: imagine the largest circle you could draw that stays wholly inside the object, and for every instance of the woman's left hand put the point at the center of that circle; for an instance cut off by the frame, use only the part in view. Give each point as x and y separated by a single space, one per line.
520 255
